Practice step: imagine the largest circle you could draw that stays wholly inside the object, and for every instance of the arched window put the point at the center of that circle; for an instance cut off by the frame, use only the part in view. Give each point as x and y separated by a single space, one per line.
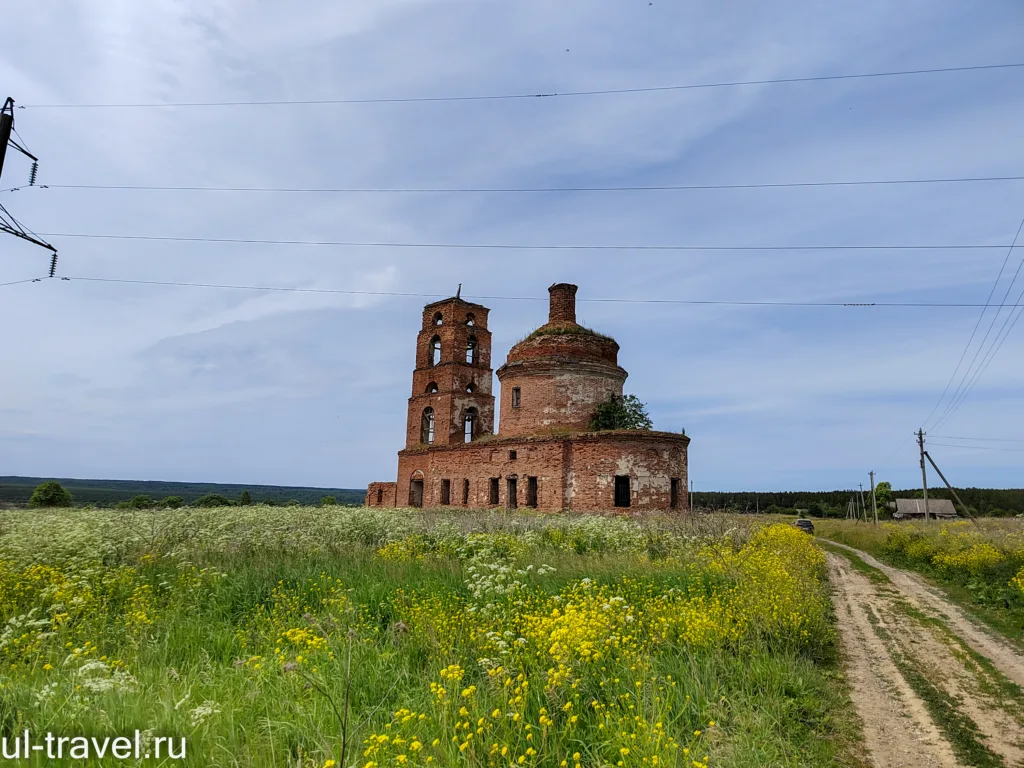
470 319
438 320
435 351
469 426
470 388
432 388
471 350
427 426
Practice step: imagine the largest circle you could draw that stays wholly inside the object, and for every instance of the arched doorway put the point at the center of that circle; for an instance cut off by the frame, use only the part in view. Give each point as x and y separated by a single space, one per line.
416 489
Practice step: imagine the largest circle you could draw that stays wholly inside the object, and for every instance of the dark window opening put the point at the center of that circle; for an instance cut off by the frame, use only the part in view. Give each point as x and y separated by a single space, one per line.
380 496
511 500
438 319
427 426
511 455
622 495
531 492
416 493
470 388
470 319
446 492
435 351
515 397
471 350
432 388
674 501
469 425
465 493
493 499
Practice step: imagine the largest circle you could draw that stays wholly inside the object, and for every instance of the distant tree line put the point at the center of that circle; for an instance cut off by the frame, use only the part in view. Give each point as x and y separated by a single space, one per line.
107 493
53 494
993 502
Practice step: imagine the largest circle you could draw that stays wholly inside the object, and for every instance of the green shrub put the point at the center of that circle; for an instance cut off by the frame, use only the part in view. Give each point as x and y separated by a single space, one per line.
212 500
618 412
50 494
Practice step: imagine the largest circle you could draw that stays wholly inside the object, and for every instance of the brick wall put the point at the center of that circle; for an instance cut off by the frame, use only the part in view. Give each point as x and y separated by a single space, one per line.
382 495
650 460
553 396
576 472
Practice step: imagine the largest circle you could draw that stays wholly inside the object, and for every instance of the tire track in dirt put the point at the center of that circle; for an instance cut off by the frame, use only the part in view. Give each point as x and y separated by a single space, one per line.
899 654
898 731
1007 659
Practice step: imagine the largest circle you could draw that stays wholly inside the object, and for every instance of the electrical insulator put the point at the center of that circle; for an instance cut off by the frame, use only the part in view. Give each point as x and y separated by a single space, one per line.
32 174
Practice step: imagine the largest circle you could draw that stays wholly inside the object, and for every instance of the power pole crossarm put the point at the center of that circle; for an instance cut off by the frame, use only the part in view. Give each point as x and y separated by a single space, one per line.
9 224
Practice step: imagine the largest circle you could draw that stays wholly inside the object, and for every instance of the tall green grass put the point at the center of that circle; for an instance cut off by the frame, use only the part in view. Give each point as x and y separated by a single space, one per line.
242 629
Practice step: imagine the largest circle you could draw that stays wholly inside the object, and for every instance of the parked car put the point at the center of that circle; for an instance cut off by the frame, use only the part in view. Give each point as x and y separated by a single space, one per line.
805 525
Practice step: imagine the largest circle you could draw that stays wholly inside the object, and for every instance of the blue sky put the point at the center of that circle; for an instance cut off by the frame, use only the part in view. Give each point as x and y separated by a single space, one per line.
148 382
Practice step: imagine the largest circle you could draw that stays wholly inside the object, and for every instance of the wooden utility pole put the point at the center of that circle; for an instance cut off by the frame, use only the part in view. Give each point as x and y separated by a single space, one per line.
874 504
924 476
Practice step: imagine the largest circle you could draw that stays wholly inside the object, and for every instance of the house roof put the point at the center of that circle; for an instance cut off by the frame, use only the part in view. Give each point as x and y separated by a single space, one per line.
915 508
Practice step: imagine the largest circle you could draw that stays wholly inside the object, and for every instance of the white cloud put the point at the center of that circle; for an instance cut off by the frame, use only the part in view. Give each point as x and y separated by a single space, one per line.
132 380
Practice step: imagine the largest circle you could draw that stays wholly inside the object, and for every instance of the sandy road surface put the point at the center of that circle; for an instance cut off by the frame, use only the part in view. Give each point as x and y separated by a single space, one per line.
931 688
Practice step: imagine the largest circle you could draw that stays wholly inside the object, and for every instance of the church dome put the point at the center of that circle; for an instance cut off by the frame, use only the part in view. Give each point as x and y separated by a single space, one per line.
562 338
556 377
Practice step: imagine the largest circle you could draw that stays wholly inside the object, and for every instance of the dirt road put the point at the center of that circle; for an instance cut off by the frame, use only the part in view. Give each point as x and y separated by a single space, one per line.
931 687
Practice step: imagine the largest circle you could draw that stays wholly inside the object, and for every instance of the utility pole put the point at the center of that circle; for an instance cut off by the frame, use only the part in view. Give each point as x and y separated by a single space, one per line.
874 504
863 508
924 475
8 224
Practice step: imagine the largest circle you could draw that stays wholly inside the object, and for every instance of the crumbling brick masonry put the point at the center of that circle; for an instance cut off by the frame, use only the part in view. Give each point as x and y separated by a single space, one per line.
543 456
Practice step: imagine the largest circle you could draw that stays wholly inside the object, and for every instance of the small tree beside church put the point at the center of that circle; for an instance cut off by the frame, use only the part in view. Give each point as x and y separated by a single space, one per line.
618 412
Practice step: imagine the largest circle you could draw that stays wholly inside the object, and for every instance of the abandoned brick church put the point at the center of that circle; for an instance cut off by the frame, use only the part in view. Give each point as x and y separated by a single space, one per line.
544 456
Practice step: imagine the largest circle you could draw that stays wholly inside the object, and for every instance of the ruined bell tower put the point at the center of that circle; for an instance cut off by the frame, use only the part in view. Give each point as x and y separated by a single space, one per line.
451 399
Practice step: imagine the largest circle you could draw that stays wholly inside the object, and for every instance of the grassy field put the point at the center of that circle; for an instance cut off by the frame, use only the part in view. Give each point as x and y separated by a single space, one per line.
981 565
357 637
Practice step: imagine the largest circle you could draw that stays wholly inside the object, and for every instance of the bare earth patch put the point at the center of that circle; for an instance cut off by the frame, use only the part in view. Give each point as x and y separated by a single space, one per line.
931 688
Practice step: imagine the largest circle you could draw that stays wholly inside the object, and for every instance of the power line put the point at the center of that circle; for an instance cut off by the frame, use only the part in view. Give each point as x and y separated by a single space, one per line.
893 454
981 439
954 404
18 282
1001 337
979 447
517 96
988 301
460 190
725 302
522 247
